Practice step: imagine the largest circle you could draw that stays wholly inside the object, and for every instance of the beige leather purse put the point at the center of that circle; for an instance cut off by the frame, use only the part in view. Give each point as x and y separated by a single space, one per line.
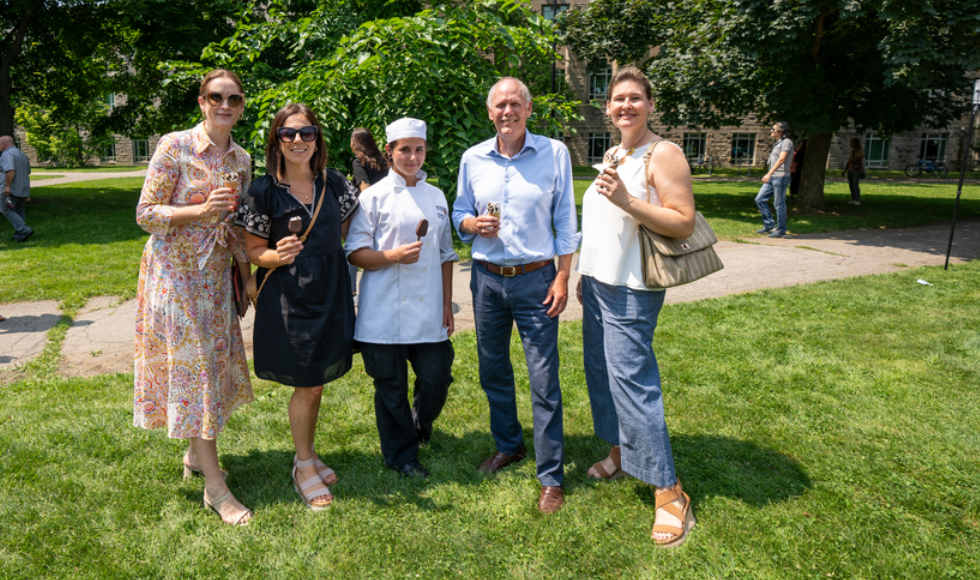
669 262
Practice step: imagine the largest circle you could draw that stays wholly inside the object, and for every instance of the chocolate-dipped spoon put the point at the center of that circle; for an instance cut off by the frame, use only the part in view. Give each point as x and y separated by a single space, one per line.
421 230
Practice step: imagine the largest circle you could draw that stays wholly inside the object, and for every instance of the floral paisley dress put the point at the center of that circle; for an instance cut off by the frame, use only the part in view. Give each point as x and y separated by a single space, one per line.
190 368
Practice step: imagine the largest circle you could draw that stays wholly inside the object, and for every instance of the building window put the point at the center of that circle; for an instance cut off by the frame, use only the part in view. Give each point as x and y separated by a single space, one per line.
141 150
110 99
598 145
109 153
548 10
876 150
933 146
695 145
743 148
598 83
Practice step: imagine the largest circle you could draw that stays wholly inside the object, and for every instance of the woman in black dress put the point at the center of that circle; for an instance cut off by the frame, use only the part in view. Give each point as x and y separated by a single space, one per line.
304 316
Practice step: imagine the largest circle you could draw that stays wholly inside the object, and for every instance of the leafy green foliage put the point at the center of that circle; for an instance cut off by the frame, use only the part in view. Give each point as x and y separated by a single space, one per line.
436 65
68 145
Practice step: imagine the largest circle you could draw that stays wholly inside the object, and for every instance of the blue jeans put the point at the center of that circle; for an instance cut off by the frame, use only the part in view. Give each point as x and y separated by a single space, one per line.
16 215
499 302
775 190
623 377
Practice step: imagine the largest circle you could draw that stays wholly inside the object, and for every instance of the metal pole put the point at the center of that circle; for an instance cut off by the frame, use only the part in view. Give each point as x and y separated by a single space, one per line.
966 154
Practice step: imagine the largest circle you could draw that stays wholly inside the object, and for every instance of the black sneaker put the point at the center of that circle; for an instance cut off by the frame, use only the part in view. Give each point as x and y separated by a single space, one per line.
411 469
25 236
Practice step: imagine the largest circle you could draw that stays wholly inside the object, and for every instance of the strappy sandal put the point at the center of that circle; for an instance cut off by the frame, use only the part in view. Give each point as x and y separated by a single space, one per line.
242 520
313 492
603 472
328 475
190 471
685 516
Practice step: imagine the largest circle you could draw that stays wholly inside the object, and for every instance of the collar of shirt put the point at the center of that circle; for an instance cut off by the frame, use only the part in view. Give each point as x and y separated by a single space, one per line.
529 145
202 141
399 183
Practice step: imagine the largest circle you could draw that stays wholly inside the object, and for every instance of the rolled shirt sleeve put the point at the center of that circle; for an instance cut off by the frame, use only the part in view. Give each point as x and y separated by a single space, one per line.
153 213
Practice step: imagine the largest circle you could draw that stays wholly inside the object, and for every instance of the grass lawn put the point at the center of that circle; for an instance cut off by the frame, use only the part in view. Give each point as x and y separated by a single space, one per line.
43 177
88 244
92 169
822 431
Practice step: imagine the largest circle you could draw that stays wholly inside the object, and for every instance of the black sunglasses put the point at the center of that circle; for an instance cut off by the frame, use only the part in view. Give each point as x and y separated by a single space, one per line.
216 98
288 135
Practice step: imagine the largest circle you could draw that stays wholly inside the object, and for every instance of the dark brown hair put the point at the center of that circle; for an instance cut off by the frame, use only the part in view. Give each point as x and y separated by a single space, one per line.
273 150
856 144
630 73
217 74
366 149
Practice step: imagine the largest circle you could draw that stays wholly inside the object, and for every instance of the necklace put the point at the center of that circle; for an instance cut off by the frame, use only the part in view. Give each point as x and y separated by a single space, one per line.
638 143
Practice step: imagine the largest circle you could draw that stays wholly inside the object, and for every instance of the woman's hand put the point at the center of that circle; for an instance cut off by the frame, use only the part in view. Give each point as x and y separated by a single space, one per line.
221 200
288 248
578 291
405 254
610 185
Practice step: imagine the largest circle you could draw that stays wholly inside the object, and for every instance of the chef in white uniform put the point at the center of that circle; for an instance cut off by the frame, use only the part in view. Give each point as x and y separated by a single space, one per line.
405 311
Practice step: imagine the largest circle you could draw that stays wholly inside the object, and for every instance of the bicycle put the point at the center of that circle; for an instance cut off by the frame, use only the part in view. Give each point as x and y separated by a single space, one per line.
702 164
936 168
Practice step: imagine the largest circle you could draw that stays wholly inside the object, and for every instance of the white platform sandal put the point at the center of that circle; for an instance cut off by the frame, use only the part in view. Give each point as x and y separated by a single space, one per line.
314 493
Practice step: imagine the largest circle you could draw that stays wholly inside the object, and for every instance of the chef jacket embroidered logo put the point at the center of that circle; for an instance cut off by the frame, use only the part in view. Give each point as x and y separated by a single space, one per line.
441 212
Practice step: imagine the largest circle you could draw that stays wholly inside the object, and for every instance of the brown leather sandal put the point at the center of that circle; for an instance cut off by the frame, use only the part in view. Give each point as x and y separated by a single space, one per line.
600 470
685 516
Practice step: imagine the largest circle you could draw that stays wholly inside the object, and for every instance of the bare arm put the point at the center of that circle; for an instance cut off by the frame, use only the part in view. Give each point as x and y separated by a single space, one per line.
221 200
9 181
558 292
447 298
260 254
779 162
670 174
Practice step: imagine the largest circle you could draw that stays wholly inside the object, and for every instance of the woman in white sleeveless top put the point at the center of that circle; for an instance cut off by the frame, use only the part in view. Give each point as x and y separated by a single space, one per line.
619 312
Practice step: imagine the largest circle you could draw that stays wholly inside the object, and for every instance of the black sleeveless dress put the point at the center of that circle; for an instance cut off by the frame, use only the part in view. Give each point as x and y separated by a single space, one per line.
304 319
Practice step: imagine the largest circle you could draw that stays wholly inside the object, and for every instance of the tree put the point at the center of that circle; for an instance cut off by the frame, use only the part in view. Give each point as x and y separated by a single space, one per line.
436 65
60 58
888 65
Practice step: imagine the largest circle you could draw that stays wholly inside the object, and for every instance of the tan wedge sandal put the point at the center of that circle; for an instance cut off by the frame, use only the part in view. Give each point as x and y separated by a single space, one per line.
685 516
314 493
609 468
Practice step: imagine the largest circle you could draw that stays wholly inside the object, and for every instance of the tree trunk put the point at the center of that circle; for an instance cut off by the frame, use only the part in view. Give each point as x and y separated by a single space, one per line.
814 172
6 63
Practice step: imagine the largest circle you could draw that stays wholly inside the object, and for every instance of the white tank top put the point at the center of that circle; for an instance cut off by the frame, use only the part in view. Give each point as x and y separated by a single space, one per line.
610 250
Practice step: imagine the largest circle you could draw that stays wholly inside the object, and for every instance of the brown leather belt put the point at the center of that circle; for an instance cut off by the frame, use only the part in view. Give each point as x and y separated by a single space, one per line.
511 271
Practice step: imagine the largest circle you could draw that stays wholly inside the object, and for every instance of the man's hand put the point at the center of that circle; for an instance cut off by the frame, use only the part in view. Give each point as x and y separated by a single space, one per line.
485 226
765 178
578 291
557 295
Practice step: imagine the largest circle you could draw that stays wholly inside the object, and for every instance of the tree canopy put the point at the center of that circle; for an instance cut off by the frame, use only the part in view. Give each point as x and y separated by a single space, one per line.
887 65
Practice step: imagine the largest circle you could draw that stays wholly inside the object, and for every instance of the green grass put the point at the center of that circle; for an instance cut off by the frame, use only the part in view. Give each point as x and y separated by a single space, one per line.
43 177
89 169
88 244
822 431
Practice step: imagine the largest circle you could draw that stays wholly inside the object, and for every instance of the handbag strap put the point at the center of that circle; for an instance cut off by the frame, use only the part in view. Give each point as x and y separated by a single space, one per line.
323 194
646 163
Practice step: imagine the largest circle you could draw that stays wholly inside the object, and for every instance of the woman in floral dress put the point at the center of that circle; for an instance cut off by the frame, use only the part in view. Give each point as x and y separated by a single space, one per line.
190 369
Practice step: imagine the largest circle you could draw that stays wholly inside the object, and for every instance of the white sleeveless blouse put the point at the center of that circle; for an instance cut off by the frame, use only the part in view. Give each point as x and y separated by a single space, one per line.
610 250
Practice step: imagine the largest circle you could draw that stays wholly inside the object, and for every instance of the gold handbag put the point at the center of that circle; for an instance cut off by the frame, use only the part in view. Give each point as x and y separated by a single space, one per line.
669 262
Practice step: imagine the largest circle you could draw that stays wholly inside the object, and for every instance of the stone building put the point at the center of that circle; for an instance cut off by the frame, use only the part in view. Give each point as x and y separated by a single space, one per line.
748 144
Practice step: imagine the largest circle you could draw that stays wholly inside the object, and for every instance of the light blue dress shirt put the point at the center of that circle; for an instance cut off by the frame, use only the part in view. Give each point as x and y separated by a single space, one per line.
537 203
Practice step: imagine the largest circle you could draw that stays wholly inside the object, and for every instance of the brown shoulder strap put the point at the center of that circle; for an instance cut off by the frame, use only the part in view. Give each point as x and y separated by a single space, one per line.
646 161
323 194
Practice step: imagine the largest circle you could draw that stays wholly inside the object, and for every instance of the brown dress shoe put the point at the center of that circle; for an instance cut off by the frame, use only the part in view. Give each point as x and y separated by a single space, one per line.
552 499
500 460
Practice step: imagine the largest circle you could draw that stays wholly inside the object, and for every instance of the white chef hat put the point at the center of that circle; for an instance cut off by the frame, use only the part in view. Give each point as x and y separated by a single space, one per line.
405 127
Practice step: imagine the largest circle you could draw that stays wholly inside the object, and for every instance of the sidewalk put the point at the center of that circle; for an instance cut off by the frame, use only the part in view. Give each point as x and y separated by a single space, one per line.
101 338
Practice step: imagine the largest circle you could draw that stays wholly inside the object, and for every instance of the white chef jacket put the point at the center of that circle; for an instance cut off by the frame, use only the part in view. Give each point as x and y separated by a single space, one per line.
402 303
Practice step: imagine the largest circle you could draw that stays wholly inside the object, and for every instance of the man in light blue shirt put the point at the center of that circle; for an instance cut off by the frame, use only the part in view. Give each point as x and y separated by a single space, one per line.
516 206
15 175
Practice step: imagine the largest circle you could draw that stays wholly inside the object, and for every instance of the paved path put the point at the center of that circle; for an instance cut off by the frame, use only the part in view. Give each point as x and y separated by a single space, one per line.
69 177
101 337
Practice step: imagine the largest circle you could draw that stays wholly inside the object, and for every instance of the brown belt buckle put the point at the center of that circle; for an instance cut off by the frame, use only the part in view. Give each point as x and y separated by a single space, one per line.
513 271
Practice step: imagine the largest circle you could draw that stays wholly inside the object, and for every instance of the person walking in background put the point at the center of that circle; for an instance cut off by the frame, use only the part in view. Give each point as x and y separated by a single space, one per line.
796 172
190 368
619 312
16 168
403 239
295 219
774 183
369 167
516 206
855 171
